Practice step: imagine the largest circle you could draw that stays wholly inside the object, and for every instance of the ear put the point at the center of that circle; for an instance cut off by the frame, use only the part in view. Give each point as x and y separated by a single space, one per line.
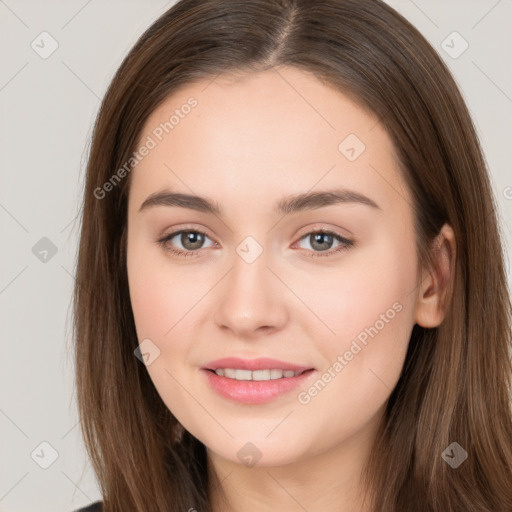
436 283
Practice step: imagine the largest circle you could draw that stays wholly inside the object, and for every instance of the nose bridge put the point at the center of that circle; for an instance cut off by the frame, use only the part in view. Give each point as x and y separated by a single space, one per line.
249 269
249 297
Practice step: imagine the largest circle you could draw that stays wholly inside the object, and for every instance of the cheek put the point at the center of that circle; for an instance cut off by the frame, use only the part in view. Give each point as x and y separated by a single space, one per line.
166 300
372 281
160 295
160 300
372 318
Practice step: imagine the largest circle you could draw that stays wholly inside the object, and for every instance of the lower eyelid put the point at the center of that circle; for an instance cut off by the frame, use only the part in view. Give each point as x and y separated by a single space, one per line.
344 243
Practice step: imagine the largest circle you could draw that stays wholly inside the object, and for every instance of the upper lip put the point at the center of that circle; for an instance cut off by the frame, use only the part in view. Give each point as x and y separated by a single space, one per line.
262 363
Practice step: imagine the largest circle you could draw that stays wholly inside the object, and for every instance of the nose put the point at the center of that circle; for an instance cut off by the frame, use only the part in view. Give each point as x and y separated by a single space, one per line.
251 300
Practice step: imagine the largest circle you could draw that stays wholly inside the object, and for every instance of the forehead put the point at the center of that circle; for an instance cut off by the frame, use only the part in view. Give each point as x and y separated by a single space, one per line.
248 138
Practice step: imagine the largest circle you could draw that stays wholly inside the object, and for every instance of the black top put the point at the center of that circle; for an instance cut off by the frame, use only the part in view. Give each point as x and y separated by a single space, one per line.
95 507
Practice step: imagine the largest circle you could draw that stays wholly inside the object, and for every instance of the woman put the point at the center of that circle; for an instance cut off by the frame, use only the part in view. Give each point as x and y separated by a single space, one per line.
290 285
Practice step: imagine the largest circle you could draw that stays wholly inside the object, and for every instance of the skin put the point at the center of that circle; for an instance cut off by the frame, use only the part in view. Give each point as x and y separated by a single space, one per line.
252 140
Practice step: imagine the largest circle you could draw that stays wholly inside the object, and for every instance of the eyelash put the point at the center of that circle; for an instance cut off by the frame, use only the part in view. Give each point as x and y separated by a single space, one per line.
345 243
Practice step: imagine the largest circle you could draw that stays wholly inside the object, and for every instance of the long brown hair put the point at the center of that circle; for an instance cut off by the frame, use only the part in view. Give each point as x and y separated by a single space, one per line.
456 382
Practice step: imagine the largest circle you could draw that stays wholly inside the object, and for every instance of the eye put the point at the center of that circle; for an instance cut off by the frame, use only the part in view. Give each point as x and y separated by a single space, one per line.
323 241
191 241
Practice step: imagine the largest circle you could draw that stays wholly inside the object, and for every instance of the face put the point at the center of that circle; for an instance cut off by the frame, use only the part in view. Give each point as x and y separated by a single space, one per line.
326 283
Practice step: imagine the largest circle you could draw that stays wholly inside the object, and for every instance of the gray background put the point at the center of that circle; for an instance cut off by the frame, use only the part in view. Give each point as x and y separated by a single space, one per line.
47 107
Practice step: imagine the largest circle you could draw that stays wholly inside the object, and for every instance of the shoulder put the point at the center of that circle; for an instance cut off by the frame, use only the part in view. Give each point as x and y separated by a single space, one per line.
94 507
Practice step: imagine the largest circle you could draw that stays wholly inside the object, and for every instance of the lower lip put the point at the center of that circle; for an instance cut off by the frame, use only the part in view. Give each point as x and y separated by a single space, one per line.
254 392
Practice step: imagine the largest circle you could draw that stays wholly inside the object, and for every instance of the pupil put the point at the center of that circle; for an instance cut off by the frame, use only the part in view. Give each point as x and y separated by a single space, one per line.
192 240
318 239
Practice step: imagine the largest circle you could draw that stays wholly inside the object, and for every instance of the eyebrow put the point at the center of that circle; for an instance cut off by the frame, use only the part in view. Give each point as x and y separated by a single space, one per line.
287 205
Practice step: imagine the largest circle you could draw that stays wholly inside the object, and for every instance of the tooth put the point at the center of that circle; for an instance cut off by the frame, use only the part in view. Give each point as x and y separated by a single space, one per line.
258 375
276 374
261 375
243 374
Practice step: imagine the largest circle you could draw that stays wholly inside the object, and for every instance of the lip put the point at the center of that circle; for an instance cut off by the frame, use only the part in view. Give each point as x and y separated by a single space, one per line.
253 392
262 363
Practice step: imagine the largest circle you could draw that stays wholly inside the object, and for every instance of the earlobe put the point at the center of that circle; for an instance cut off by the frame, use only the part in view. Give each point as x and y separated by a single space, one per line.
434 292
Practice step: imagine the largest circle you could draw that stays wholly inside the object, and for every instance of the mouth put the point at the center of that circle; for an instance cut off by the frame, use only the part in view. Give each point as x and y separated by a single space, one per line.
256 375
254 365
255 381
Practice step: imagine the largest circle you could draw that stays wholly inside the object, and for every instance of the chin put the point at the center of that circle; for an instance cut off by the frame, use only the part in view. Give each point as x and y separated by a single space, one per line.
258 452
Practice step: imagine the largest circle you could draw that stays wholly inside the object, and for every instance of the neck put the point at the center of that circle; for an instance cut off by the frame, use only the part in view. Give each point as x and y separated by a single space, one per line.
328 481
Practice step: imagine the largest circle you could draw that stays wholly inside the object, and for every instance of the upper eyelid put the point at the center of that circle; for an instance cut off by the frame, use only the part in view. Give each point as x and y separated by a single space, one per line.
313 229
174 233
